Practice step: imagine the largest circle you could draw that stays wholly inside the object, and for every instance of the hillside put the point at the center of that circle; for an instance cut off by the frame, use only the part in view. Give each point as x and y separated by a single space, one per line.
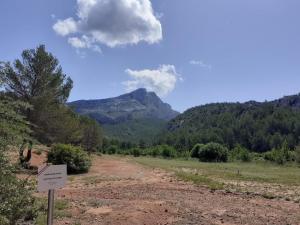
258 126
133 116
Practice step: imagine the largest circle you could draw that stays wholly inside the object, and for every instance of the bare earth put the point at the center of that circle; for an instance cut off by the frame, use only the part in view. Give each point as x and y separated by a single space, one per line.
119 192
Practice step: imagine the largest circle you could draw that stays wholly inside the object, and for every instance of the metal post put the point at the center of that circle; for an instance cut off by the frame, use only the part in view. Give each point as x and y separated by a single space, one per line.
50 207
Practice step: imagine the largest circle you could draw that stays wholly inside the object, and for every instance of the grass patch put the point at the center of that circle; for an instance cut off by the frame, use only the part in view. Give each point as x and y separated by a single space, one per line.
262 172
60 210
200 180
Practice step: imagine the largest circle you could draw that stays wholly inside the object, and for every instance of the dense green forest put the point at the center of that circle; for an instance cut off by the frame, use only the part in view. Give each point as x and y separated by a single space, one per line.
135 130
258 127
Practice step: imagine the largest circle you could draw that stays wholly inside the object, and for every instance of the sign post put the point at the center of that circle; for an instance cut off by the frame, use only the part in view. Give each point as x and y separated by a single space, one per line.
50 207
51 177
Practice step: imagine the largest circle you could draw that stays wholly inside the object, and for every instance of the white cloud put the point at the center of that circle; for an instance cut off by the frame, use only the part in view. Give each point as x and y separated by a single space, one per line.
162 80
83 42
77 42
201 64
65 27
112 22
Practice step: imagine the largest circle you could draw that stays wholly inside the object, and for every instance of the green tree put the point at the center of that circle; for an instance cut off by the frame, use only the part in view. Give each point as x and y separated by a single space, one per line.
38 79
196 149
91 135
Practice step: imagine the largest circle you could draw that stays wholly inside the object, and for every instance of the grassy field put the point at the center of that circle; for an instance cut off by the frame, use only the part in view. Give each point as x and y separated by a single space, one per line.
262 178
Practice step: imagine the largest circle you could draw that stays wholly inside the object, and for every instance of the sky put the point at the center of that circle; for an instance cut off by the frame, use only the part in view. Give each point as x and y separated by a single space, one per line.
190 52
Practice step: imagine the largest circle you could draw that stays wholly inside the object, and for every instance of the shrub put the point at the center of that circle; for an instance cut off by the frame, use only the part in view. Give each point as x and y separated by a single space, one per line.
167 151
280 156
276 155
136 152
297 154
155 151
76 159
112 150
17 202
195 150
213 152
240 154
185 154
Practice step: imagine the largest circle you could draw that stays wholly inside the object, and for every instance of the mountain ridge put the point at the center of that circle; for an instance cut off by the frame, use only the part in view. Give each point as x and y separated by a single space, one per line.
131 109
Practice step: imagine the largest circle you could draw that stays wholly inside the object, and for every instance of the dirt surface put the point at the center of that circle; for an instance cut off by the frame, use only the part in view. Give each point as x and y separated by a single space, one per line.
117 191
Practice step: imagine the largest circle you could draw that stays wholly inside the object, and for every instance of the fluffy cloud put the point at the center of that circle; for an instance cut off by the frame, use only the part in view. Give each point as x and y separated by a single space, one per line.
111 22
83 42
162 80
65 27
201 64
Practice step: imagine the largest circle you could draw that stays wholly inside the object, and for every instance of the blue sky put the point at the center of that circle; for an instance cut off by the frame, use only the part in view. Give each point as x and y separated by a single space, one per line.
190 51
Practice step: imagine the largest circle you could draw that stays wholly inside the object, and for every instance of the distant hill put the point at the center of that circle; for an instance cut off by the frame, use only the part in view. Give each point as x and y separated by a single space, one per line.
258 126
133 116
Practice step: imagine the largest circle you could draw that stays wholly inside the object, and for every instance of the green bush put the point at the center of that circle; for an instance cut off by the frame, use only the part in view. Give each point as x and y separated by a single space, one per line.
185 154
76 159
240 154
155 151
17 202
213 152
195 150
112 150
297 154
167 151
281 156
136 152
276 155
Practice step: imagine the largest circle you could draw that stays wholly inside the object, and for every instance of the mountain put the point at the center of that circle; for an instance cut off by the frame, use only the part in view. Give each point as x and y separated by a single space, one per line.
133 116
257 126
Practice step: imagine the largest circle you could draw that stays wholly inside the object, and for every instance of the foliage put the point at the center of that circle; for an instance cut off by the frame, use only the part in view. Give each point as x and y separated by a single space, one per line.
16 198
135 130
91 134
155 151
195 150
297 154
75 158
17 203
136 152
13 126
112 149
240 154
279 156
167 151
38 80
213 152
258 127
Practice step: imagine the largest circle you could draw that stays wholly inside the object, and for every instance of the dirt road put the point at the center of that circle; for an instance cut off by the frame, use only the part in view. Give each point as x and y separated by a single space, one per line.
119 192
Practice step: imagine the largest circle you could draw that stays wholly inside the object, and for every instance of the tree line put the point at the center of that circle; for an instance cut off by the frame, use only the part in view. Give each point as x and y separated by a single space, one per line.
257 127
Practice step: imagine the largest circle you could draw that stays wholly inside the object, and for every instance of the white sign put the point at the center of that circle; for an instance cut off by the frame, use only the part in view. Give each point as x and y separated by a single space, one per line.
51 177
